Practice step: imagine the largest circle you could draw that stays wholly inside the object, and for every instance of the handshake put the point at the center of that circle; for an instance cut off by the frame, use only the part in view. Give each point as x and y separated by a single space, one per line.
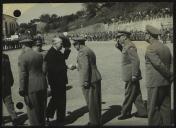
72 66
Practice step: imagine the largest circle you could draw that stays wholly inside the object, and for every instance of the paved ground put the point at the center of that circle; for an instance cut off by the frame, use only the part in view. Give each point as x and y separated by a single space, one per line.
108 61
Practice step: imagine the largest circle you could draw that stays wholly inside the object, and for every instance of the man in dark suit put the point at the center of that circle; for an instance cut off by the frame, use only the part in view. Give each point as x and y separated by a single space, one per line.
158 79
7 83
131 74
33 84
57 79
90 79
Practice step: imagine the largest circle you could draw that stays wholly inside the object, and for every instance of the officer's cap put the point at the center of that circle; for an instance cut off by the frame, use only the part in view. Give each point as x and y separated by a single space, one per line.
121 33
79 40
152 30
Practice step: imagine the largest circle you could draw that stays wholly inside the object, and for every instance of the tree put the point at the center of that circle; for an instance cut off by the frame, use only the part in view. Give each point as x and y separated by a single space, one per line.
45 18
91 9
47 28
80 13
53 18
23 25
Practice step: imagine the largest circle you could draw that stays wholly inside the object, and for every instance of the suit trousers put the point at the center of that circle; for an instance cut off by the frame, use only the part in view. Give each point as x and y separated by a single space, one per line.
36 109
10 106
159 105
133 95
93 99
57 102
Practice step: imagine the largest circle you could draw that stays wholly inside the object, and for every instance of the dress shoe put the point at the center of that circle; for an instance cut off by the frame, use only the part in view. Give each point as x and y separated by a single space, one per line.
123 117
16 121
140 115
60 122
47 123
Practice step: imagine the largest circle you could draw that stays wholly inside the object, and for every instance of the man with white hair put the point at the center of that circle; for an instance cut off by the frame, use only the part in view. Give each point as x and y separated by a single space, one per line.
65 33
56 69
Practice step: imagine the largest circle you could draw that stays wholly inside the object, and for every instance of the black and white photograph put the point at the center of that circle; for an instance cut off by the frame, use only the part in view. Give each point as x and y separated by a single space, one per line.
87 64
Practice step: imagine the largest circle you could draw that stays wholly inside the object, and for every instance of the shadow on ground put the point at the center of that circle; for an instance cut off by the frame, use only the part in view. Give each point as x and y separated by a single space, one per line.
111 113
72 116
22 117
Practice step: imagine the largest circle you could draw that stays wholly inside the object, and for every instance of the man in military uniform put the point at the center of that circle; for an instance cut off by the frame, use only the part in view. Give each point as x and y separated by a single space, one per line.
33 84
158 79
38 45
131 75
90 80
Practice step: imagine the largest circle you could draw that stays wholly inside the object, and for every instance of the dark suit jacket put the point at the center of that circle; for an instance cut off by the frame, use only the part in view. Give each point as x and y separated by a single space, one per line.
7 76
32 78
56 67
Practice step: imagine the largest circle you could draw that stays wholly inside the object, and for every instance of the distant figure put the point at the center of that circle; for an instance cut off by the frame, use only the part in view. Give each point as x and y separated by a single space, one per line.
39 37
131 74
158 79
164 36
57 79
29 35
38 45
33 84
7 83
90 80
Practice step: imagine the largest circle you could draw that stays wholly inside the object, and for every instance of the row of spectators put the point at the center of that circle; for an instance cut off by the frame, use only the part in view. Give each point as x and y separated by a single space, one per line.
10 43
141 15
111 35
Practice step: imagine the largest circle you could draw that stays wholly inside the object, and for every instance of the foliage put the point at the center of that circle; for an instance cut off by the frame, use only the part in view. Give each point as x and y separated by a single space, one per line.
94 12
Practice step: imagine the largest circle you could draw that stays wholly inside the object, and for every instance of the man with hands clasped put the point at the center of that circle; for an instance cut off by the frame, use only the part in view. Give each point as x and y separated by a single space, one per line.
90 79
131 75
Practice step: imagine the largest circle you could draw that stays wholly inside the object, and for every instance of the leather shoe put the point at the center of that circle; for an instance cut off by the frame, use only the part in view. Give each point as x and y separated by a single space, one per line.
47 122
16 121
140 115
123 117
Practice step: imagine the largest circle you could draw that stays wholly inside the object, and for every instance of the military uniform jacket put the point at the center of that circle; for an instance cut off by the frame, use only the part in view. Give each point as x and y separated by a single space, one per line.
158 62
87 68
32 78
130 62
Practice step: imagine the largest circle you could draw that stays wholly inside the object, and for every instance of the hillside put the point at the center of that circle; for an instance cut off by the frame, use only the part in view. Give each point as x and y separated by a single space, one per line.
104 12
114 11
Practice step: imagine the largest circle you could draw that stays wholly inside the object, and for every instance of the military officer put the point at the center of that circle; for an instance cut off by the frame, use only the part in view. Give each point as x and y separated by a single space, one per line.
90 79
33 84
39 46
131 75
158 79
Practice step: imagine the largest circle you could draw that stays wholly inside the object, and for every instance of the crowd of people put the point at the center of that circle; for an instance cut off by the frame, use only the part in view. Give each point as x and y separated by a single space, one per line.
109 35
112 35
142 15
166 35
9 44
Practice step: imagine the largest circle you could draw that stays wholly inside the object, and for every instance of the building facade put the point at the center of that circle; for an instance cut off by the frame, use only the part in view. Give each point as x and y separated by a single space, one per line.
9 25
